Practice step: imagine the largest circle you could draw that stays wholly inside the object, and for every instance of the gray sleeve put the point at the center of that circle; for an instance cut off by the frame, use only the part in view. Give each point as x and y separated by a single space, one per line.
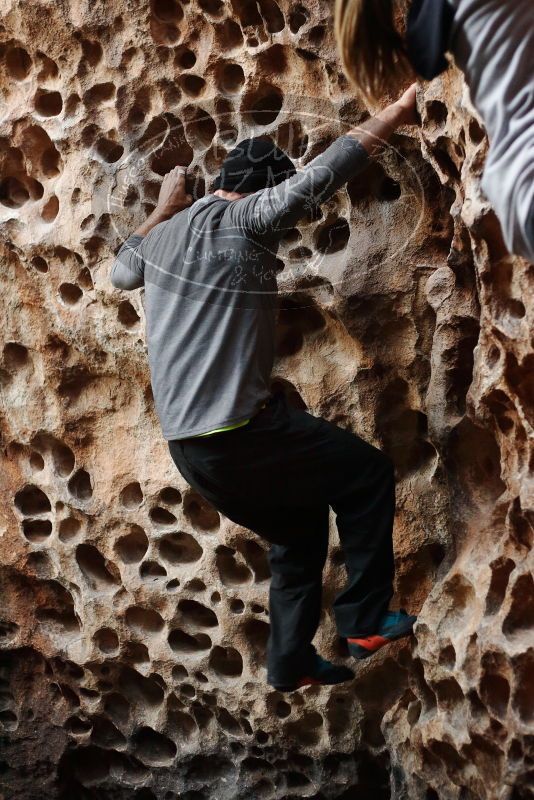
128 269
276 209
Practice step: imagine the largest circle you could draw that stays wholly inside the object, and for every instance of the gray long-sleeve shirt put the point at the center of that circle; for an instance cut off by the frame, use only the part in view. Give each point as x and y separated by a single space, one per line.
493 44
210 283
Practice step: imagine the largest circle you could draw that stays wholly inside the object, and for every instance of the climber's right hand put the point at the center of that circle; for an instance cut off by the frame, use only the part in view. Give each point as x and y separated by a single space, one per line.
407 106
173 195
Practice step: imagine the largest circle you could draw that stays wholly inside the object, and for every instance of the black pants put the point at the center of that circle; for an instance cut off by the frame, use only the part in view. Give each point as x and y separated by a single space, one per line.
277 476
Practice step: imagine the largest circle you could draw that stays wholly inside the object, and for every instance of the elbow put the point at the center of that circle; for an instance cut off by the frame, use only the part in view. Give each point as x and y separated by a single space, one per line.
115 277
119 276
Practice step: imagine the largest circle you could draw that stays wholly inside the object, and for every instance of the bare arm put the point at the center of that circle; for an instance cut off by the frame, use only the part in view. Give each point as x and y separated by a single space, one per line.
378 130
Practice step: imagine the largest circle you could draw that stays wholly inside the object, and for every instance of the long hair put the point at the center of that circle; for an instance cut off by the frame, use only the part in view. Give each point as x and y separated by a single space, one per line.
371 47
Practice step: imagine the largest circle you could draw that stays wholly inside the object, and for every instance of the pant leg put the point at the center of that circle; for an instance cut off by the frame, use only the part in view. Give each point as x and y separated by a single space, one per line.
295 594
298 538
364 518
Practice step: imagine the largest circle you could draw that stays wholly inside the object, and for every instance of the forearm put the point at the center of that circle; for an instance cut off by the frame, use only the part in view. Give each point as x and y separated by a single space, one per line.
158 215
373 133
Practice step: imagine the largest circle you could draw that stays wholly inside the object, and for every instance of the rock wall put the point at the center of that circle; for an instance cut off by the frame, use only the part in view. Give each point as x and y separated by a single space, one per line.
134 618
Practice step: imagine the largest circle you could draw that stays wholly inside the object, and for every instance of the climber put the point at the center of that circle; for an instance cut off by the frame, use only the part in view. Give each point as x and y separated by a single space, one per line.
210 301
492 42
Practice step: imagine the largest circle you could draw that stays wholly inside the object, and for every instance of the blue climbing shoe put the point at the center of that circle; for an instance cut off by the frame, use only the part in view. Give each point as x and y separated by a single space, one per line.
320 673
393 625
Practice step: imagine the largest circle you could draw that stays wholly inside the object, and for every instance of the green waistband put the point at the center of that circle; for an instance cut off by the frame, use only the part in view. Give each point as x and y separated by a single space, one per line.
219 430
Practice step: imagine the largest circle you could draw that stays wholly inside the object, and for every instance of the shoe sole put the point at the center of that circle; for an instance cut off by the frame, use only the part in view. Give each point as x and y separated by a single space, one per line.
308 681
360 651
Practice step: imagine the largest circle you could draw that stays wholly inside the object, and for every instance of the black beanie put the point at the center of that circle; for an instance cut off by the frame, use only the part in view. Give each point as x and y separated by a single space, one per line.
253 164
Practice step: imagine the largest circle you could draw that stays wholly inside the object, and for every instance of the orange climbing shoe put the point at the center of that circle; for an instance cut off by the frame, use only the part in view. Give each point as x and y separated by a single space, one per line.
394 625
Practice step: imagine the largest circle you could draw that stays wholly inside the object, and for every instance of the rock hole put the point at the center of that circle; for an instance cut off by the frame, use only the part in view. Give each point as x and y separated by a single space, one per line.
140 690
449 693
167 10
213 7
197 614
153 748
170 496
131 496
403 430
31 500
229 77
92 52
99 94
292 139
70 294
132 547
520 617
523 699
13 193
106 640
500 574
274 19
332 235
200 127
388 190
200 513
144 620
436 112
237 606
476 132
18 63
257 634
8 632
109 150
36 462
225 661
68 529
62 456
231 572
48 104
152 571
182 642
16 356
192 85
263 105
39 264
105 734
494 687
126 314
50 209
77 726
458 596
228 35
298 16
173 585
36 530
185 58
179 672
228 722
93 566
183 726
447 656
80 486
307 729
180 548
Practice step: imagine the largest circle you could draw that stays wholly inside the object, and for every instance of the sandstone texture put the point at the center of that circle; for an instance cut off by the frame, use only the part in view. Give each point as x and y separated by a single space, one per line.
133 617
